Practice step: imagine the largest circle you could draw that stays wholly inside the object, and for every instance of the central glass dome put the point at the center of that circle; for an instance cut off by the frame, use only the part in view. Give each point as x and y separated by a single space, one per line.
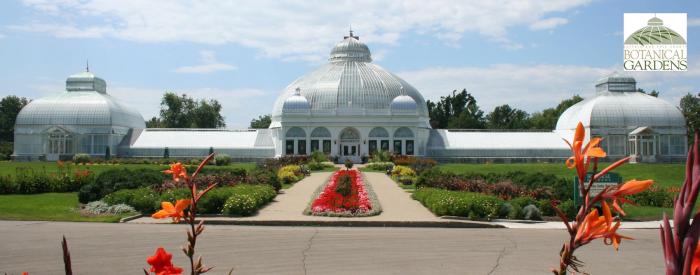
350 84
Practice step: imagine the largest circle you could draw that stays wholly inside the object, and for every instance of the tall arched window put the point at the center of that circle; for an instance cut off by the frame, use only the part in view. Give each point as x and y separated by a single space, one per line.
404 143
378 140
321 140
295 141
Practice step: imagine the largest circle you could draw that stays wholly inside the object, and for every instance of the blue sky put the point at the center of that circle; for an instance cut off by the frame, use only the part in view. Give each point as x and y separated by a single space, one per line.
529 53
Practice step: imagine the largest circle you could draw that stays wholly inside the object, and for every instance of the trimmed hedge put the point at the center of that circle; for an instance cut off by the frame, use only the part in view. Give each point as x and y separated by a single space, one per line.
455 203
118 179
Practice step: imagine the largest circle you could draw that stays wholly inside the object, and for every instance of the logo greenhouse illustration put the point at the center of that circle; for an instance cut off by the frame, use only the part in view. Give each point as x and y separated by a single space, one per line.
655 47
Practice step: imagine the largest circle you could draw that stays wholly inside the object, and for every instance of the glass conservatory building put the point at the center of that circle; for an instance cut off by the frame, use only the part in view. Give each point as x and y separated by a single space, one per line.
347 108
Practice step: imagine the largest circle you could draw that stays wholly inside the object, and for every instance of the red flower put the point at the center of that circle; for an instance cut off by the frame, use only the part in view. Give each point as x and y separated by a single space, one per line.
330 201
161 263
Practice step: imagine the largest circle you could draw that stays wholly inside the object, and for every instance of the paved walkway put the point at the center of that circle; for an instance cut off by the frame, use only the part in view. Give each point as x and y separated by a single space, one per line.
101 248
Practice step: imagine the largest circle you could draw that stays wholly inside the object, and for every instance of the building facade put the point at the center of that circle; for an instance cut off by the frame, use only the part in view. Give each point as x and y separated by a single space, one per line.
348 108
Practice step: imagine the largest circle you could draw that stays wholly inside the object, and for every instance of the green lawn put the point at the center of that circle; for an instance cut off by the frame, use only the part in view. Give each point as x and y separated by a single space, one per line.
47 207
664 175
11 168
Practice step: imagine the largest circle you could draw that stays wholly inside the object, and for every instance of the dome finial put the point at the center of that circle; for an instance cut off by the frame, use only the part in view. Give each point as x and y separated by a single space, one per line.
297 91
87 65
351 34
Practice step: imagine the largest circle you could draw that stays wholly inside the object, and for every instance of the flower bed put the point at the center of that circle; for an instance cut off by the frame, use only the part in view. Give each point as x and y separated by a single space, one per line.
360 202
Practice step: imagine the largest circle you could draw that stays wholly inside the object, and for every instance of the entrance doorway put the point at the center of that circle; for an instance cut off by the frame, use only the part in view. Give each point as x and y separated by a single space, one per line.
350 146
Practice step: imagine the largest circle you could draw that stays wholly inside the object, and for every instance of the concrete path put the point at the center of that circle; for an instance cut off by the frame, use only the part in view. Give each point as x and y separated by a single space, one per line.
397 204
99 248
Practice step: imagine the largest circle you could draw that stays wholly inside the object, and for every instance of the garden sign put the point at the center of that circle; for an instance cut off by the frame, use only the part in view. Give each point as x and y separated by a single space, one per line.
609 179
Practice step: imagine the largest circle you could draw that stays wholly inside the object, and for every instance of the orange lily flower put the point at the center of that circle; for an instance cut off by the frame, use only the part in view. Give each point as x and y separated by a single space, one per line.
594 227
177 170
628 188
582 154
695 265
175 212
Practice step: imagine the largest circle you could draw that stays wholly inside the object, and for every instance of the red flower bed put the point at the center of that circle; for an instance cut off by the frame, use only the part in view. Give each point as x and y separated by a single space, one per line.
331 201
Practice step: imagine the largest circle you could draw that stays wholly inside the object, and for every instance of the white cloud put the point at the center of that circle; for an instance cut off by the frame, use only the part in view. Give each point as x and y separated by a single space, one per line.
549 23
209 65
533 88
300 30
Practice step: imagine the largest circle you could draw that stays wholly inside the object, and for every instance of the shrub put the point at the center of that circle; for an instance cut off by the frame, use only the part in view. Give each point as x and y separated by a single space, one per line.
264 176
7 185
246 199
380 156
222 159
456 203
117 179
81 158
421 165
276 163
290 174
380 166
174 194
102 208
344 185
144 199
213 202
348 164
4 156
315 166
546 208
402 171
403 160
656 198
318 156
568 208
530 212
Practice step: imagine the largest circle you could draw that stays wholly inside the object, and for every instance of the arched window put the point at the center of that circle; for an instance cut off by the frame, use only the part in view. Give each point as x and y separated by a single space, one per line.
403 132
321 132
403 142
378 140
321 140
378 132
296 132
349 134
295 135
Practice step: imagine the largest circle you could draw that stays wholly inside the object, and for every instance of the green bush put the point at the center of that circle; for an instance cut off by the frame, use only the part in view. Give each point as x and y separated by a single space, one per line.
7 185
246 199
315 166
4 156
213 202
174 194
290 174
456 203
546 208
118 179
222 159
655 198
568 208
380 166
264 176
319 156
348 164
531 212
143 199
81 158
381 156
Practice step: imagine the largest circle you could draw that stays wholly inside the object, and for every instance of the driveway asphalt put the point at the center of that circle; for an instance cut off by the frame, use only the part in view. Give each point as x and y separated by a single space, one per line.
99 248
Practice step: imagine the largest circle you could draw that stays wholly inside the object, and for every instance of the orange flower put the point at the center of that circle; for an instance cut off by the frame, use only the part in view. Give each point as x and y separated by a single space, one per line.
582 154
169 211
695 265
595 226
161 263
628 188
177 170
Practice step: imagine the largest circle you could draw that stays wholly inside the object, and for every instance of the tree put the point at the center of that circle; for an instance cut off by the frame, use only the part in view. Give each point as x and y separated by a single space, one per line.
154 122
9 108
207 114
262 122
186 112
458 110
547 119
690 106
505 117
